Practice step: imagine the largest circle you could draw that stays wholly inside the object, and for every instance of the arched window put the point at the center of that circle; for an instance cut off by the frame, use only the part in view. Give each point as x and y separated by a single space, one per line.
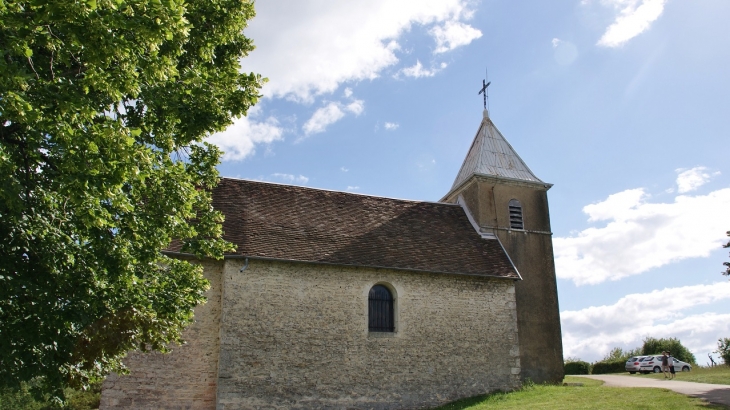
515 215
380 310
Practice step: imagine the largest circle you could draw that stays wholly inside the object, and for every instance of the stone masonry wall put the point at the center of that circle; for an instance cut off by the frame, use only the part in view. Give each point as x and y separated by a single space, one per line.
295 335
183 379
531 250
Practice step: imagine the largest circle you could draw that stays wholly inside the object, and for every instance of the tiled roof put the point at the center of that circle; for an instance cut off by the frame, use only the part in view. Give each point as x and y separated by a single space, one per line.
491 154
303 224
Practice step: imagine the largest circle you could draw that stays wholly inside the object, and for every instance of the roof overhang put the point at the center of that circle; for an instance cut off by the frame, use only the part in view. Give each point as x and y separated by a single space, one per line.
262 258
454 192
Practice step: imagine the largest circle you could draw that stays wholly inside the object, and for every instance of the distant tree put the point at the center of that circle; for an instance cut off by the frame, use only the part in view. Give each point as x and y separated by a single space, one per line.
727 264
723 349
618 354
104 105
655 346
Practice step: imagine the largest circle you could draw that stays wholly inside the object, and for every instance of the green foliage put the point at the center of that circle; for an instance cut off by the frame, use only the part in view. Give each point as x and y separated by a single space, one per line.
21 398
612 366
18 399
104 106
723 349
577 367
618 354
656 346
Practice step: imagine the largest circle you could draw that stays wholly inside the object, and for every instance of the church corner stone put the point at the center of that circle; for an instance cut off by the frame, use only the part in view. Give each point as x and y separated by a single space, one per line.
185 378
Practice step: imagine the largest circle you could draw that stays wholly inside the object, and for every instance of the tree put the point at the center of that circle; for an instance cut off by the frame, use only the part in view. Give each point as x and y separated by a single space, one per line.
727 264
723 349
618 354
655 346
104 105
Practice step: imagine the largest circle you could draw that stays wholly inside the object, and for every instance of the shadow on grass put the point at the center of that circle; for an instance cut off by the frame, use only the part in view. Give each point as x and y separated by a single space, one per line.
474 400
468 402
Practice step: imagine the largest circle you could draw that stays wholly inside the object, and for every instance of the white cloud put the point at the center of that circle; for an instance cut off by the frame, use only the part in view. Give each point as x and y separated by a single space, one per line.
417 70
690 179
453 34
348 92
352 188
356 107
391 126
635 17
239 140
310 48
330 114
343 169
591 332
639 235
290 178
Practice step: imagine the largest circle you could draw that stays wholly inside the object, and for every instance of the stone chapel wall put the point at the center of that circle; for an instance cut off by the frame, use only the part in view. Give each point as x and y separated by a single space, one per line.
183 379
295 335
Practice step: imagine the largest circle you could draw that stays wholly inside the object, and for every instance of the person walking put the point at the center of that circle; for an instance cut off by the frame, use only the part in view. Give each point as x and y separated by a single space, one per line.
665 364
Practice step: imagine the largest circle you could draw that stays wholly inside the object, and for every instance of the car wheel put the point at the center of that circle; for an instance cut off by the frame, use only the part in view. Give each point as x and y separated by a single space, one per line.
635 372
657 369
685 369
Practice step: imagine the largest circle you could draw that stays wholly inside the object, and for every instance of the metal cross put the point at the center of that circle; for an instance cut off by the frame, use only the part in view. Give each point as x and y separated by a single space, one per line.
484 91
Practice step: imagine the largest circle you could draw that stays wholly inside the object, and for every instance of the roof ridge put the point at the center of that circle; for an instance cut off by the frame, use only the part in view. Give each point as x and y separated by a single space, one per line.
338 191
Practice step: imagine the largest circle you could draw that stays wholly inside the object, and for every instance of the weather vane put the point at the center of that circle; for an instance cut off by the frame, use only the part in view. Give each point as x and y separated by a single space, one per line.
485 84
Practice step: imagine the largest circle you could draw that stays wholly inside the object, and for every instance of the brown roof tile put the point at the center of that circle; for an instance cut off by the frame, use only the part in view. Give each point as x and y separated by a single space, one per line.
312 225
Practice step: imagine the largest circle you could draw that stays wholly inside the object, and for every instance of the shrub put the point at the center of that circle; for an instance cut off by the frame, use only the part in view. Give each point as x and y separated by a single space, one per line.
578 367
655 346
613 366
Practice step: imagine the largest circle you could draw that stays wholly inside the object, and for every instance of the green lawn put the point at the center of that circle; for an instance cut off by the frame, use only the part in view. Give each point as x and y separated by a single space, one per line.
592 395
713 375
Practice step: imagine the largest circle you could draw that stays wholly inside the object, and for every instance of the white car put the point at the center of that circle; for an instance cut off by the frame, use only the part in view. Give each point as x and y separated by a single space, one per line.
633 365
654 364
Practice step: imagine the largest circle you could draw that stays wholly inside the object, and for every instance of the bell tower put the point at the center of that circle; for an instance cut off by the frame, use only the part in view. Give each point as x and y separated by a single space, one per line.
507 200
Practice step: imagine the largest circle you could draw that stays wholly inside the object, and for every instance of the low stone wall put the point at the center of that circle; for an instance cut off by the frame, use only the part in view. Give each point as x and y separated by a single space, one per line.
186 378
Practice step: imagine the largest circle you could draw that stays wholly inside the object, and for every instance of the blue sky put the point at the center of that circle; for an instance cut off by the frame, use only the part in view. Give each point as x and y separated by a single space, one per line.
621 104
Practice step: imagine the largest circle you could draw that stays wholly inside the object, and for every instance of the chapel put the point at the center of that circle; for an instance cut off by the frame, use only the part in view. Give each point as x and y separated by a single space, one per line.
342 300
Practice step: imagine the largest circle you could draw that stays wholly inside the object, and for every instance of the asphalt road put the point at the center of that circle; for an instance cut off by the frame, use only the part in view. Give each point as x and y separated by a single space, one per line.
713 393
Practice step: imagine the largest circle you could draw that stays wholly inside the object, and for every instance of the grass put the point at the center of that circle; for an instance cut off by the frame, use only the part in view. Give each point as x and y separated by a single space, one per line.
712 375
592 395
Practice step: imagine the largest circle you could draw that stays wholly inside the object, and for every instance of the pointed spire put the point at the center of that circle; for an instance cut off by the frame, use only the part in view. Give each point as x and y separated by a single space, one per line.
491 155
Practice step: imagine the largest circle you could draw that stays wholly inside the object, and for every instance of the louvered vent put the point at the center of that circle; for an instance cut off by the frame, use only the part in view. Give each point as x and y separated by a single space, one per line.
515 215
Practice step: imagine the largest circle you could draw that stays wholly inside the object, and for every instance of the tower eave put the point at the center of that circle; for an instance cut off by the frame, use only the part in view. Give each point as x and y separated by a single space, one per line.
496 179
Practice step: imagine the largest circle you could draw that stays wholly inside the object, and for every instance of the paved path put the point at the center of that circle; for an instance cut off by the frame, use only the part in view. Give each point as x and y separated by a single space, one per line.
713 393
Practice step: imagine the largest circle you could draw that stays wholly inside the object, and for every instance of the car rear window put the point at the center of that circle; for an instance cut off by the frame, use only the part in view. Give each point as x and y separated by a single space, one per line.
633 359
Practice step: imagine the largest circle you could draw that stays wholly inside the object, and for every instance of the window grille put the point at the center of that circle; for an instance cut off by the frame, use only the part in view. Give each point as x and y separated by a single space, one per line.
515 215
380 310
